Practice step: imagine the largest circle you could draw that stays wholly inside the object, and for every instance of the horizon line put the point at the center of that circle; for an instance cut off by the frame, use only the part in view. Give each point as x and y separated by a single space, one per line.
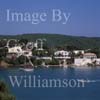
64 34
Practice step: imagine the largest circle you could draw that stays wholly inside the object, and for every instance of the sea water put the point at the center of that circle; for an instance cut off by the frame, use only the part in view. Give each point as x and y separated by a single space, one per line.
90 90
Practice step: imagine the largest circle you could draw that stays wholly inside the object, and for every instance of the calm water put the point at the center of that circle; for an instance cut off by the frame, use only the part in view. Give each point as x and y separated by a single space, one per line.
90 92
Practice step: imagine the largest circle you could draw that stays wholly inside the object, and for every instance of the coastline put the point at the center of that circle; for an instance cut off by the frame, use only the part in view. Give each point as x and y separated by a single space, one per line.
22 67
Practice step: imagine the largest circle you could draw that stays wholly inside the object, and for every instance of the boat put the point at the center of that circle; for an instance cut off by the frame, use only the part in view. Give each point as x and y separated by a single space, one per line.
27 69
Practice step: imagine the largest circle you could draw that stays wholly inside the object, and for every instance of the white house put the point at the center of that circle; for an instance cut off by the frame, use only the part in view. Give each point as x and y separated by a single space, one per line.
27 53
79 51
82 62
15 50
88 58
62 53
62 56
18 51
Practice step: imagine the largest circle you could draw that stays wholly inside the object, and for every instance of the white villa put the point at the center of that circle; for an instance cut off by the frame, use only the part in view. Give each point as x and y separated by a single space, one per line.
89 55
17 50
61 53
62 56
88 58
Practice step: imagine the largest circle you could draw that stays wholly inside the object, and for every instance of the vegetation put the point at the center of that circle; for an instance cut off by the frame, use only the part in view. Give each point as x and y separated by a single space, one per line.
57 40
54 62
54 42
4 92
3 52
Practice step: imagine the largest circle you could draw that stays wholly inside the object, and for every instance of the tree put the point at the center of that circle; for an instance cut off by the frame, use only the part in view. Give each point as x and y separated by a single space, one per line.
96 51
21 41
3 52
54 62
12 42
3 43
22 59
4 92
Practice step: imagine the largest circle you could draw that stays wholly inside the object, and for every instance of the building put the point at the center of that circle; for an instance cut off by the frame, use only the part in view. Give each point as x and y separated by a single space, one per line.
27 53
78 51
18 51
15 51
63 57
61 53
89 56
82 62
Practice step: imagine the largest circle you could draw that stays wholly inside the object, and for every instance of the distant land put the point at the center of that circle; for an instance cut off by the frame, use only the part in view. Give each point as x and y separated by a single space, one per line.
54 40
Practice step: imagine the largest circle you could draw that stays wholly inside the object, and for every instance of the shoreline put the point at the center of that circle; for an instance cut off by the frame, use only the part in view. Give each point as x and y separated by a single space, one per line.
5 65
50 67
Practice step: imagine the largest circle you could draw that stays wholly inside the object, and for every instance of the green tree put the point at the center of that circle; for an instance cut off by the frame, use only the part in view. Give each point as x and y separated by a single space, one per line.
54 62
3 52
22 59
21 41
4 92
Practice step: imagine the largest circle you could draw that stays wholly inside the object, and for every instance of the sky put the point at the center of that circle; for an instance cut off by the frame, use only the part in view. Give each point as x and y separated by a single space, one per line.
84 17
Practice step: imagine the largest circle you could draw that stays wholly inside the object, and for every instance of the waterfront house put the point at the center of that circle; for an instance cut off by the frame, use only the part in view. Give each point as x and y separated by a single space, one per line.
82 62
88 58
61 53
89 55
15 50
18 51
63 57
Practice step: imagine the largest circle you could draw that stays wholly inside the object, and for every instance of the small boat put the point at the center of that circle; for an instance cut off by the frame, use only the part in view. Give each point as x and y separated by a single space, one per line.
27 69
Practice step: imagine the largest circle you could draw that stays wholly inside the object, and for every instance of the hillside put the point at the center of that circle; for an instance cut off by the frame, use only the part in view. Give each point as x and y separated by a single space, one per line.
60 40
